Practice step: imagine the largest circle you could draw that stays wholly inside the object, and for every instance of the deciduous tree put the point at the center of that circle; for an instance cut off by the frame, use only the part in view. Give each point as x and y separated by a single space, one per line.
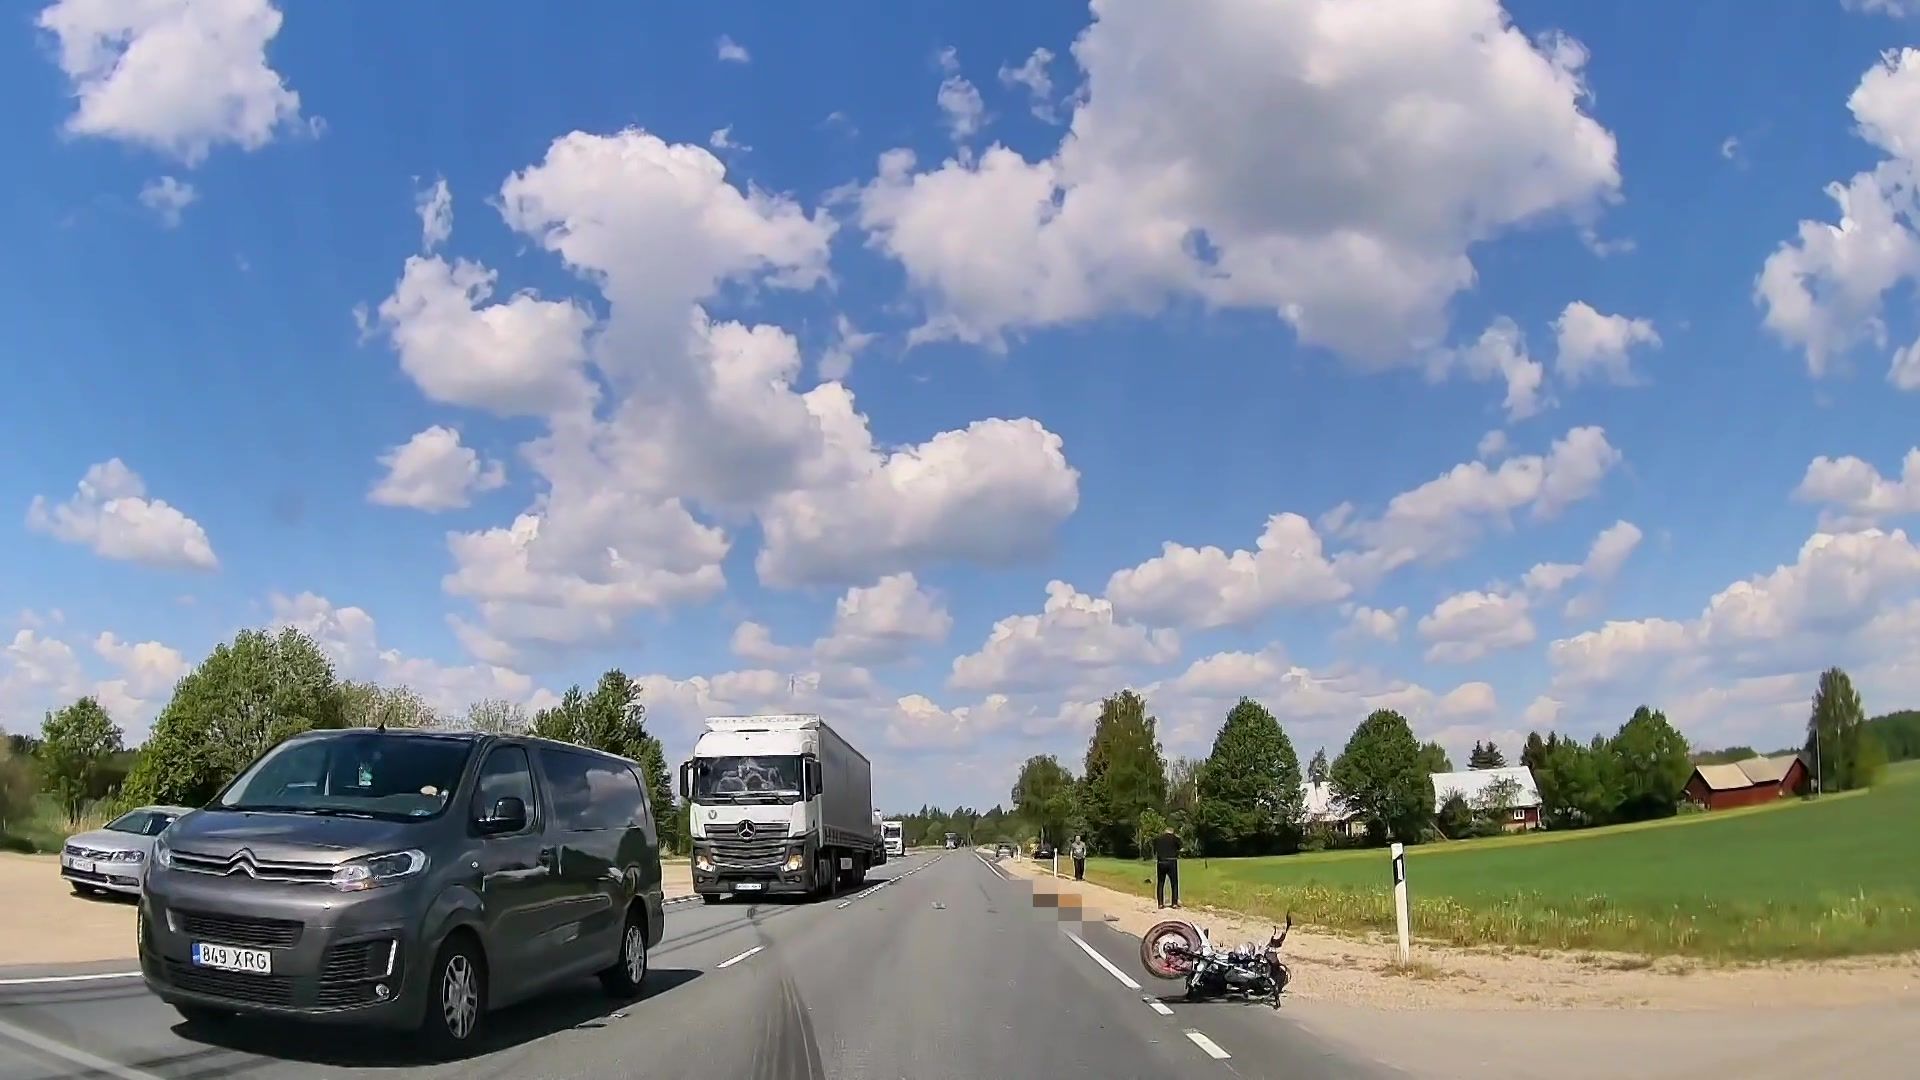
1652 765
1125 774
1250 795
1380 775
1837 738
1043 793
242 699
75 745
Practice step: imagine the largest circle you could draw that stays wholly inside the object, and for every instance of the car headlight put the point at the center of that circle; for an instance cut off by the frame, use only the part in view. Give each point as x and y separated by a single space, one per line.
127 856
162 854
377 870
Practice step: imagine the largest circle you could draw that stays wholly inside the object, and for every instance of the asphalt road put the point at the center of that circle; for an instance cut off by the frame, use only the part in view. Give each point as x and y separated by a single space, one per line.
942 969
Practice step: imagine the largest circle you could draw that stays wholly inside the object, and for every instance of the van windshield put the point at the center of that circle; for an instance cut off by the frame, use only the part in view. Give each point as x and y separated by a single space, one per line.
747 779
355 774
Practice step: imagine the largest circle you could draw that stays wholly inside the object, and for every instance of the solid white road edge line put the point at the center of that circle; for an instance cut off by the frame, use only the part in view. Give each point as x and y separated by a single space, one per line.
1212 1048
742 956
42 979
1125 979
71 1054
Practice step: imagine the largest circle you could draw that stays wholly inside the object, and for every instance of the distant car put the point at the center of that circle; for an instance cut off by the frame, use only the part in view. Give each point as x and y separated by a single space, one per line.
114 859
1044 851
1004 851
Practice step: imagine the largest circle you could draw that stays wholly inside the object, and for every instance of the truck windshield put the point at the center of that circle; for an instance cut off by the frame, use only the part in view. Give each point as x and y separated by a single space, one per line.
357 774
746 779
891 832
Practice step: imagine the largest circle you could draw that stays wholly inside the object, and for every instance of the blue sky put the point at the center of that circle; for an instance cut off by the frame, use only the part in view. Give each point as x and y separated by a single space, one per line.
1528 335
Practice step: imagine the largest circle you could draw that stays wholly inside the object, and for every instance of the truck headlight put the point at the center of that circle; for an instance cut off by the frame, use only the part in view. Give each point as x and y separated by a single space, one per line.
703 862
795 861
377 870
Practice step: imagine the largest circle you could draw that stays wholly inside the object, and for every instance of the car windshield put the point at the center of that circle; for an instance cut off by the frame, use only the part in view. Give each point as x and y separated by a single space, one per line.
358 774
747 779
141 822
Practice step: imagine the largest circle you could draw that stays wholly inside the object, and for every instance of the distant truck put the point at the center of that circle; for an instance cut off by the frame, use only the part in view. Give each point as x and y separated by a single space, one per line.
953 841
893 835
778 804
879 831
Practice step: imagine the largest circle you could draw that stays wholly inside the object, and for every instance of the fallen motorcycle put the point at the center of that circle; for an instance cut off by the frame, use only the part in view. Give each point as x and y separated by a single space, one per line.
1177 949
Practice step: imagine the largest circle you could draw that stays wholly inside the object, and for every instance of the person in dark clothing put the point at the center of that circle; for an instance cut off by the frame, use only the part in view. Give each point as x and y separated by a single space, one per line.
1079 852
1166 856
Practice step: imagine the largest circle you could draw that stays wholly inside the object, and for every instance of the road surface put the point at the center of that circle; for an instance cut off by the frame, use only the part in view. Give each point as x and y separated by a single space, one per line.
943 968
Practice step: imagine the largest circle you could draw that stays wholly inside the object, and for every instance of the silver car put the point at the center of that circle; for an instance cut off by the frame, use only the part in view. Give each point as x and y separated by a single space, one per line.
114 859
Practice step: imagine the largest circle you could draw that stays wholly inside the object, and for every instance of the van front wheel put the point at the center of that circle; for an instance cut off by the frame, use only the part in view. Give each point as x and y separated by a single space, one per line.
456 999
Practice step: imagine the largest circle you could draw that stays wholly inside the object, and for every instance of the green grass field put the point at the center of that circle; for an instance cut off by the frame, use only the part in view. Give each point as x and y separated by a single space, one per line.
1835 877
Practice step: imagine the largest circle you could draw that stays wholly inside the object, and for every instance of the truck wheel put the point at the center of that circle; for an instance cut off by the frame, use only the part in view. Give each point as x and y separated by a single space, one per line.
823 873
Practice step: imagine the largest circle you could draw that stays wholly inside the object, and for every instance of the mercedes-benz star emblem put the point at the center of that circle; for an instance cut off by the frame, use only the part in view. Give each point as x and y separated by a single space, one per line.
746 830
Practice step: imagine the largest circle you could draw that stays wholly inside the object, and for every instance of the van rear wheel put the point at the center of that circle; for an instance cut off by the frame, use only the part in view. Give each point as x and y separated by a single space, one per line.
629 971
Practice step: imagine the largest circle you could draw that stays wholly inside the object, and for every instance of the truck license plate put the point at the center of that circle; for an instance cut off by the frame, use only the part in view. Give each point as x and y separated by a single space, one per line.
228 958
746 886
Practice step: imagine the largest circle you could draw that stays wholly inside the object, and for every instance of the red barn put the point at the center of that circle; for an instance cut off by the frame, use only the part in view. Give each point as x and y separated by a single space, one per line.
1747 783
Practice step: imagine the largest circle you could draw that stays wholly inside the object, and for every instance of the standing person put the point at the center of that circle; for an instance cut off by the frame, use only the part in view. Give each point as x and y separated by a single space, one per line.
1079 852
1166 855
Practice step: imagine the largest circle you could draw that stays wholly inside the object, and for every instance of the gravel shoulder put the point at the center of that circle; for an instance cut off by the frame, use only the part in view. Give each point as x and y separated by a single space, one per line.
47 925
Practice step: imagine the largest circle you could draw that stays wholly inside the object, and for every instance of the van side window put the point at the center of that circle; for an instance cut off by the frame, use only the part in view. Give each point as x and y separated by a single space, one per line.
644 816
571 790
616 794
505 774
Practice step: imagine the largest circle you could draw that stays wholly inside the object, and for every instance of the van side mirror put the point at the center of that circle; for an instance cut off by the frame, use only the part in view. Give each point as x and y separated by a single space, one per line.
686 779
507 815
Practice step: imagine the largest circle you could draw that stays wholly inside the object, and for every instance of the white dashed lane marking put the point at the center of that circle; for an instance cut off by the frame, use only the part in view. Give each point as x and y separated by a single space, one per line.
729 962
1212 1048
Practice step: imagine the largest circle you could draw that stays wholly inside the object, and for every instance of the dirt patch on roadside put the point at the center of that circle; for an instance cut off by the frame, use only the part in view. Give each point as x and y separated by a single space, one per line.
47 924
1365 972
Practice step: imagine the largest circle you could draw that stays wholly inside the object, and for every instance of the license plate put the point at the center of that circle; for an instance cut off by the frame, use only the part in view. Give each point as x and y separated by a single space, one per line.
746 886
85 866
228 958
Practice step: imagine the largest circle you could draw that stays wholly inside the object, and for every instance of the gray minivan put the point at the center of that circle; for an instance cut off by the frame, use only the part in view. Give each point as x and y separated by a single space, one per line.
404 879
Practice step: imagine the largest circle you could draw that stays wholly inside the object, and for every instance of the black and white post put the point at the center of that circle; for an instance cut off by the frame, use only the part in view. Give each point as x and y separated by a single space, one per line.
1400 898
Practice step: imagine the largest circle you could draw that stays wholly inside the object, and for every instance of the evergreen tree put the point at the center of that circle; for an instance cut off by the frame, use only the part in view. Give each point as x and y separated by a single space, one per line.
1487 756
1317 768
1534 754
1434 759
1250 795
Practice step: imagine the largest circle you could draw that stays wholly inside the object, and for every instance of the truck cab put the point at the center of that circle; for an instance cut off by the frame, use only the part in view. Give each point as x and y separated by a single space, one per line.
893 837
778 804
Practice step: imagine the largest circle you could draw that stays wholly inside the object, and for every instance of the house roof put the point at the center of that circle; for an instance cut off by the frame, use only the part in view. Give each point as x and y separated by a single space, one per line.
1473 783
1322 804
1749 773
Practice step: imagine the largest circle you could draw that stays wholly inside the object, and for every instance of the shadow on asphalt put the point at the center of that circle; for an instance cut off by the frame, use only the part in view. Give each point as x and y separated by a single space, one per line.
583 1007
100 896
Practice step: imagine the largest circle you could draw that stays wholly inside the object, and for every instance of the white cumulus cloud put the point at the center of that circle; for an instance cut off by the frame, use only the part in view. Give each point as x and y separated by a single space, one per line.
433 471
111 514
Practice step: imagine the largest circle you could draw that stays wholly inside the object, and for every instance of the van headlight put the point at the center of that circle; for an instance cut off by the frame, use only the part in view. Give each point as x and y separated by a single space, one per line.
377 870
162 854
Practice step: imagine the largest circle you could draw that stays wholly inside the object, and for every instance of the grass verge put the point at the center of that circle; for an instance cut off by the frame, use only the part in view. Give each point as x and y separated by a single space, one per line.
1839 876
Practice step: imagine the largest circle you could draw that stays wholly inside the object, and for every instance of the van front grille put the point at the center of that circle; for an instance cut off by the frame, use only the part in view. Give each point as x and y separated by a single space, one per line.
239 929
232 985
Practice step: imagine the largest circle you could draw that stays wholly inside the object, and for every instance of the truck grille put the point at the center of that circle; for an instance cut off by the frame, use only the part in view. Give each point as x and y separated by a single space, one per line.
239 929
767 848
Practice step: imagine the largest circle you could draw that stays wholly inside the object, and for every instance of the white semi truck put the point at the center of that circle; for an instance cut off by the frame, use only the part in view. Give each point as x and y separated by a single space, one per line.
893 837
778 804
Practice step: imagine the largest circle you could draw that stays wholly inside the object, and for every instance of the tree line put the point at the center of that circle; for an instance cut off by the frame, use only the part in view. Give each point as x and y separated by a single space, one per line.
1247 796
261 688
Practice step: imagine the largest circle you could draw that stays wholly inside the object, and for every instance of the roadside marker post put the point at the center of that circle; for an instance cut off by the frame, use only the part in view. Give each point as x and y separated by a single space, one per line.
1400 897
